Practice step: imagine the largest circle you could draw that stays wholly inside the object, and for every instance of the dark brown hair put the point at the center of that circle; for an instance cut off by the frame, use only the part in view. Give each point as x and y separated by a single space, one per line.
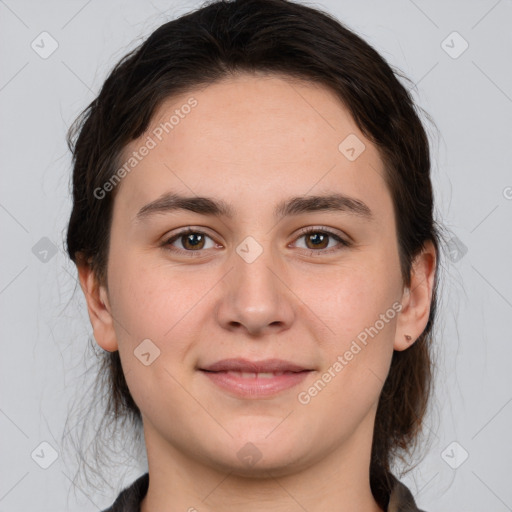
304 43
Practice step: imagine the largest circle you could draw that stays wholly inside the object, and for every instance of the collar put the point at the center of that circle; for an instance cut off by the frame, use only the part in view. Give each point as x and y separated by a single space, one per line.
129 500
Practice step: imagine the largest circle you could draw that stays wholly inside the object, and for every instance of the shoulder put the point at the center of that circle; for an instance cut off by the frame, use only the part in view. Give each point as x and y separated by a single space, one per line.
130 498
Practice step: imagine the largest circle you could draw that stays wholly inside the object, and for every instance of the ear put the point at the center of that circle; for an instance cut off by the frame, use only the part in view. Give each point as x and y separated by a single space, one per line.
416 300
98 307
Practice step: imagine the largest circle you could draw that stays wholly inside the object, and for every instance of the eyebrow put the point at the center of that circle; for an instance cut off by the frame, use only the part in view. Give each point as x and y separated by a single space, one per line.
293 206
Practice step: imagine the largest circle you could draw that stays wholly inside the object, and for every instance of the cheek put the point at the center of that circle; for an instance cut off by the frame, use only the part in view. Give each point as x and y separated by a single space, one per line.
153 301
359 305
358 351
356 297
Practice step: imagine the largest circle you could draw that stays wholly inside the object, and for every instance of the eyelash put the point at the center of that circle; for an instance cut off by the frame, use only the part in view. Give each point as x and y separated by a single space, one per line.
303 232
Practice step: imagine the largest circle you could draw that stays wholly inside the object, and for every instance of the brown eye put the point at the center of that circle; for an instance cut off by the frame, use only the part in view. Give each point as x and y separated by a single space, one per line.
319 240
190 241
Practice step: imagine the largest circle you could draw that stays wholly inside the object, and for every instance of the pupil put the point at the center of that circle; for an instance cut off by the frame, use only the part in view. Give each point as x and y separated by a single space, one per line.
191 236
319 237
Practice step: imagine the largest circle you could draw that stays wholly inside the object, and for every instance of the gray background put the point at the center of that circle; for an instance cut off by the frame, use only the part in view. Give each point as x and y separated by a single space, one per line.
45 325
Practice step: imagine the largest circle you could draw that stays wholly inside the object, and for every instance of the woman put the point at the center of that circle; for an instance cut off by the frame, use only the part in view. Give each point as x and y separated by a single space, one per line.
253 230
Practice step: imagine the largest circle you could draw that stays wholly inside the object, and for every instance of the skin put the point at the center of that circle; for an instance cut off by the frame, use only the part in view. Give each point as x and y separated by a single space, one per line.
252 141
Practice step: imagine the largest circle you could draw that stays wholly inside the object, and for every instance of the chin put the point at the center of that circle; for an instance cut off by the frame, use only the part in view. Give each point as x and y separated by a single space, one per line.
261 455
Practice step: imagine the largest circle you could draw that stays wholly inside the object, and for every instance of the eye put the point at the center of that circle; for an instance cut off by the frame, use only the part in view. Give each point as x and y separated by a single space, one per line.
317 240
194 241
191 241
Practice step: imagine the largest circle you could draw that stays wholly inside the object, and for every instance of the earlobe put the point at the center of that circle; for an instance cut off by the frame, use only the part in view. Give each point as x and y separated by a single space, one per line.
416 300
98 307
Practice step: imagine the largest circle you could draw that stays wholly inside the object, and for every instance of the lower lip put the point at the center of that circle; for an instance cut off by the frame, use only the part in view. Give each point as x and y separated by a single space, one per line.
247 387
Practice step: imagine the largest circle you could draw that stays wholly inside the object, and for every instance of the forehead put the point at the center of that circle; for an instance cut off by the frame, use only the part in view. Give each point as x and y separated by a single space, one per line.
248 137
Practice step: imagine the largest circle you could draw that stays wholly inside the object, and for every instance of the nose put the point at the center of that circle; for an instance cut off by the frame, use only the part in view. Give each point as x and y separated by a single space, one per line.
255 296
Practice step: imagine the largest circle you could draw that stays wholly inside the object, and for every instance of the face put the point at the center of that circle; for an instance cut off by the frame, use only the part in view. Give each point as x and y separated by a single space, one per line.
313 283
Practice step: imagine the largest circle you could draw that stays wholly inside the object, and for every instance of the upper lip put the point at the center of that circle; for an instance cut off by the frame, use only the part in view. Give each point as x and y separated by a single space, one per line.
245 365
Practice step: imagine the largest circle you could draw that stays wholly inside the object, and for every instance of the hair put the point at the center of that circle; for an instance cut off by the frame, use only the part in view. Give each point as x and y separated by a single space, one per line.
293 40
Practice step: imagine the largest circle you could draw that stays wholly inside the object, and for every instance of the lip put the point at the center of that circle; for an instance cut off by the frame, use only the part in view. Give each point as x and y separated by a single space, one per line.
227 374
255 387
245 365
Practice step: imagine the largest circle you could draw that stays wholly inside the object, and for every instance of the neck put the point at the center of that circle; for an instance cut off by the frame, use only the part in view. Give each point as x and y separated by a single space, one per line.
337 481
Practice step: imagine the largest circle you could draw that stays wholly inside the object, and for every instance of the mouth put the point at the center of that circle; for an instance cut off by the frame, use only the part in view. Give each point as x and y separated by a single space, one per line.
267 366
255 375
252 380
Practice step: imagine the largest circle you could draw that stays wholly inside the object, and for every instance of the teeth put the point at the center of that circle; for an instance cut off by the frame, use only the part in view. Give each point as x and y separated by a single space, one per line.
262 375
